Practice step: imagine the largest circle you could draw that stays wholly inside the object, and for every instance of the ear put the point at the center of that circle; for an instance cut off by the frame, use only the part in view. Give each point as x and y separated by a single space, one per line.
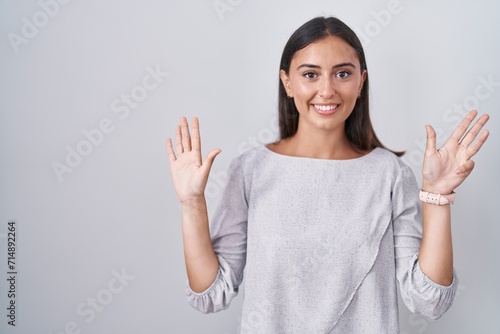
363 78
285 80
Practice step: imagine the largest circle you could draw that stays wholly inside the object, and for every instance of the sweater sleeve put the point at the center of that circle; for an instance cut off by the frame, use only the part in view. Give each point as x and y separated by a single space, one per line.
420 294
228 231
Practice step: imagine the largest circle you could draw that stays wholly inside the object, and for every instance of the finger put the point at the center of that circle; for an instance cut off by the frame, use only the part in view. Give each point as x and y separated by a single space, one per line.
209 160
186 138
178 140
462 127
474 131
170 151
466 168
195 137
431 140
473 148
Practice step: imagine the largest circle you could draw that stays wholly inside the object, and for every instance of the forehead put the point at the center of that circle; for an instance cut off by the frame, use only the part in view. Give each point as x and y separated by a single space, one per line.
329 50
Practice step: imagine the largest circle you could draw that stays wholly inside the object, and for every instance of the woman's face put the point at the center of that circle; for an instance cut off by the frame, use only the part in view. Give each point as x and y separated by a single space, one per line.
324 80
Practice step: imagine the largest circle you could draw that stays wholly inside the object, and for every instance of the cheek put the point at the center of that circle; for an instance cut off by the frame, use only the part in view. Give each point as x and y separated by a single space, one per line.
350 91
304 88
304 92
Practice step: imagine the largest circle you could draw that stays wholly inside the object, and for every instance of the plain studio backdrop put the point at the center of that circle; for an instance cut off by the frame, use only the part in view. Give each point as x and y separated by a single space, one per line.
90 90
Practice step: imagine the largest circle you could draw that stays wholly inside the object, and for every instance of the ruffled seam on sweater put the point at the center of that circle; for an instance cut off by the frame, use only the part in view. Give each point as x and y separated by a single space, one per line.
426 289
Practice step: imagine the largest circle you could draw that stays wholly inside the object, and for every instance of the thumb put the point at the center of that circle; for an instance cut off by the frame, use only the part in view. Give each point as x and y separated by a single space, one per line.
431 139
466 168
209 160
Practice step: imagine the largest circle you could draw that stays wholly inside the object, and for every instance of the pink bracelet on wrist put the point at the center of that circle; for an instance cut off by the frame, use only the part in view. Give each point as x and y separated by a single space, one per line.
436 199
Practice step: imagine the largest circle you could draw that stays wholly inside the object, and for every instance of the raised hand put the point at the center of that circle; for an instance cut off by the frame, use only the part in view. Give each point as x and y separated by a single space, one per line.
189 173
446 168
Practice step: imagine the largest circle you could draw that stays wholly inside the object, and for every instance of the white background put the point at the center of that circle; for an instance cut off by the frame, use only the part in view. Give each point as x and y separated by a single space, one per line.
116 211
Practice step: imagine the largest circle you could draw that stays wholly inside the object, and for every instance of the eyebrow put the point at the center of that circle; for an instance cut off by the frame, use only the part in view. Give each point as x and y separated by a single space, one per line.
335 66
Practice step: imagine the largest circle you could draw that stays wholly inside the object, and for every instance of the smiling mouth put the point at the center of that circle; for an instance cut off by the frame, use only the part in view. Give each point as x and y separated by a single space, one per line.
325 109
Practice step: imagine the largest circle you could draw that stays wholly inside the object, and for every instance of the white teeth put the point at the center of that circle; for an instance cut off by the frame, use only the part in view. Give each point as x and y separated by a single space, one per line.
325 108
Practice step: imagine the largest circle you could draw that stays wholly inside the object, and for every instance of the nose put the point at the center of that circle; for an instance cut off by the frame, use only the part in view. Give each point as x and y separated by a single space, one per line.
326 88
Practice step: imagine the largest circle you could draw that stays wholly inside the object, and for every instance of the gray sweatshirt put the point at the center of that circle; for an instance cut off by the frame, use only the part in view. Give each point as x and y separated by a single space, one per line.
322 243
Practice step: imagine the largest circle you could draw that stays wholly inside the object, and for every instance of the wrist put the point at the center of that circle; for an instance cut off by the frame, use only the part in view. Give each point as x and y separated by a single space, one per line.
193 202
428 187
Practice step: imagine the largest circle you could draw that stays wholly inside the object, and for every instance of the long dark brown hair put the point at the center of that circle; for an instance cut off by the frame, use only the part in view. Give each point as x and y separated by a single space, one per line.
358 126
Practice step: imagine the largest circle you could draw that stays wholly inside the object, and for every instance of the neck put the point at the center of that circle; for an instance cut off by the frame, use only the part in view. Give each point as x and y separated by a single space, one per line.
319 145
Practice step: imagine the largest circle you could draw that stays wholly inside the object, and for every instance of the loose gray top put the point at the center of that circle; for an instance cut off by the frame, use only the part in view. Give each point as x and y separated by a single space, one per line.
322 243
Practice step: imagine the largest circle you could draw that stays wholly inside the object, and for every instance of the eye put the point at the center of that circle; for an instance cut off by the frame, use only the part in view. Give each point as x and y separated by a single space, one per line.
343 74
310 75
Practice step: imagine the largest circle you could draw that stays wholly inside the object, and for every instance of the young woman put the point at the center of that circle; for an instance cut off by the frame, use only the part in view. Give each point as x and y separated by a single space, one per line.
325 220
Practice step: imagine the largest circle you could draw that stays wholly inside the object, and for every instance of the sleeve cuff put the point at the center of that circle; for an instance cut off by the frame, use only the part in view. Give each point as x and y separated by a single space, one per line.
420 276
190 291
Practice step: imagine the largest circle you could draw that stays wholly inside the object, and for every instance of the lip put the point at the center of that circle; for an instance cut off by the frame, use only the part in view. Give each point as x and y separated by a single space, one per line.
326 112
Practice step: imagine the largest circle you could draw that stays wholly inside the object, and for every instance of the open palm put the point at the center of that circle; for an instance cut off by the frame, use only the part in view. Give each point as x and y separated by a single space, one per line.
189 173
444 169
